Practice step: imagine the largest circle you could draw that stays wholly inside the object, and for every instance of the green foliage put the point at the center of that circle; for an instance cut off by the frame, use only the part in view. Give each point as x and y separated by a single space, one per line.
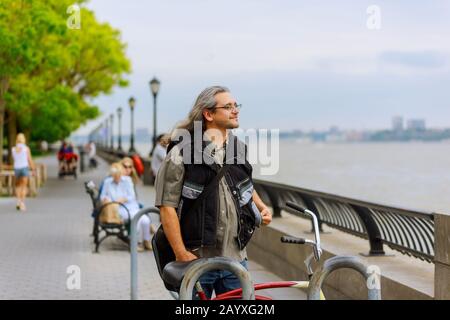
53 71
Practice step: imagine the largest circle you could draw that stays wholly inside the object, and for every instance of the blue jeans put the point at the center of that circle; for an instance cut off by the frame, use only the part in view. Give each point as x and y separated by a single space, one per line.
220 281
22 172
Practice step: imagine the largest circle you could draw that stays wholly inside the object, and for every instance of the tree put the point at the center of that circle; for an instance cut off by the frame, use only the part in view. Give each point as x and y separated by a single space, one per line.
17 41
48 94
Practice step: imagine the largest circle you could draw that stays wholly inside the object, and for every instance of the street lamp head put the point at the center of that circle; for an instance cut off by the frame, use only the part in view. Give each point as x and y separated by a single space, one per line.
154 86
132 103
119 111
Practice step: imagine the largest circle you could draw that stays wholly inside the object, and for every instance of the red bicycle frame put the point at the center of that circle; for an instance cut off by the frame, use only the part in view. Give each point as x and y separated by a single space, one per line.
237 293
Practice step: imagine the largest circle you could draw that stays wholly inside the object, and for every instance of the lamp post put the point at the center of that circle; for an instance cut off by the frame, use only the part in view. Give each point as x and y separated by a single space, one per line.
99 130
107 133
97 134
154 87
119 116
111 123
100 135
132 103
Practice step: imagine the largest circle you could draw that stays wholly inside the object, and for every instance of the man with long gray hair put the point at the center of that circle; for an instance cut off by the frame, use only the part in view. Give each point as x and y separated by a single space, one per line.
204 189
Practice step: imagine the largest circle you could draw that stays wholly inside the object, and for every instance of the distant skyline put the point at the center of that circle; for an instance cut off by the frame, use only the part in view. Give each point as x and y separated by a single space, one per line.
293 65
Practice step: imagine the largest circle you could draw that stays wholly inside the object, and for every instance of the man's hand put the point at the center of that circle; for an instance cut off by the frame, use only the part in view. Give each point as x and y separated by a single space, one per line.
185 256
265 213
266 217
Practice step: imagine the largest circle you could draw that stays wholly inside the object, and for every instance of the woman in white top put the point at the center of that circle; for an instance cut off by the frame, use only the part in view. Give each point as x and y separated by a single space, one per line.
22 164
119 188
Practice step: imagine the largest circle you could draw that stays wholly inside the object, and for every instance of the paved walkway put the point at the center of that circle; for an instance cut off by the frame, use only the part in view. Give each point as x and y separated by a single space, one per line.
38 248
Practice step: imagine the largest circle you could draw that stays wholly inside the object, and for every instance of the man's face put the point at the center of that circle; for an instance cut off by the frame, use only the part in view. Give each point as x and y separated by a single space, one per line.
225 115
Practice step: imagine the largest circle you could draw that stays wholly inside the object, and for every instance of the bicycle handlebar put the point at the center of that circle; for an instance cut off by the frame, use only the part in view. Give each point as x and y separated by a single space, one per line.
295 206
295 240
317 248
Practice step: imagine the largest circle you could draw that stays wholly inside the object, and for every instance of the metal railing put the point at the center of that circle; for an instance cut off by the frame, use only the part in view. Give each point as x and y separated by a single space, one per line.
407 231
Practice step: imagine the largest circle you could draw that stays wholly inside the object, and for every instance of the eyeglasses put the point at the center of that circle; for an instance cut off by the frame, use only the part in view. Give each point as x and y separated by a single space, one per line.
228 107
128 167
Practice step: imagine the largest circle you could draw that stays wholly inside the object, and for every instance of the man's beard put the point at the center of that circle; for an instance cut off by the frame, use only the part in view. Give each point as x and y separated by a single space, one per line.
232 124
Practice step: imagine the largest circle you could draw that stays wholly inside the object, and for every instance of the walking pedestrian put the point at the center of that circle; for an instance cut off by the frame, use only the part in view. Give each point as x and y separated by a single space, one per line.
22 165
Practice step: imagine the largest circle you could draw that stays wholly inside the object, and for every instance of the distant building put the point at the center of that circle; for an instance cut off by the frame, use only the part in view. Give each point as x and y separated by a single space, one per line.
397 123
142 134
354 136
416 124
335 138
334 130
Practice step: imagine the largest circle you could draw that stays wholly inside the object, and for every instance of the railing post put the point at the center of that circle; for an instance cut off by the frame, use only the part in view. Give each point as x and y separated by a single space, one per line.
375 239
133 249
275 205
442 256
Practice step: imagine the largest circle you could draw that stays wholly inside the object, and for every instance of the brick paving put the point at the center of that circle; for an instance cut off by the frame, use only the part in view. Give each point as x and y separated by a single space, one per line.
37 248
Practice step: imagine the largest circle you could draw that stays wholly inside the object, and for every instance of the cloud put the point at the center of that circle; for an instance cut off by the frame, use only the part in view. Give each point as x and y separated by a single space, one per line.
315 60
419 59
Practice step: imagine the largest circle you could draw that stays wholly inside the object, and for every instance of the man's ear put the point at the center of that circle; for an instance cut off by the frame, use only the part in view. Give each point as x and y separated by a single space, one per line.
207 114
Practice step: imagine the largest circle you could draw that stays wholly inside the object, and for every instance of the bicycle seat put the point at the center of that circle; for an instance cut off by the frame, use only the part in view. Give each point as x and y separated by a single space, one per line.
174 272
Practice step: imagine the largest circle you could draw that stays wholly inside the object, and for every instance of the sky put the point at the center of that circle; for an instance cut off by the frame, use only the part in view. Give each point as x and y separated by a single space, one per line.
292 64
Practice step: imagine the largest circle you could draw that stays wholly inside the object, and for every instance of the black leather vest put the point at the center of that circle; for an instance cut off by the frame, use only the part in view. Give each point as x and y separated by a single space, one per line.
199 226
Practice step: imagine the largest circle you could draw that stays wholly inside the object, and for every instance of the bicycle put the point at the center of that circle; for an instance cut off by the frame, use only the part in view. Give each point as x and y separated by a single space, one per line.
185 275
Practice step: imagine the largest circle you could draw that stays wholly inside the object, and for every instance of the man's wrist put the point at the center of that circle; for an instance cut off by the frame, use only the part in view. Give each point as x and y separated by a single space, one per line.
180 252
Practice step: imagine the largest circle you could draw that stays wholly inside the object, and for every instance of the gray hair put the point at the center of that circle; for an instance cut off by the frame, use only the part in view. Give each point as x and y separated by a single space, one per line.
205 100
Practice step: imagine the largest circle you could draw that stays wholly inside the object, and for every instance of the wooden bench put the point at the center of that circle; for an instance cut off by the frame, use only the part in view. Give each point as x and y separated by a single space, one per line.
7 183
8 180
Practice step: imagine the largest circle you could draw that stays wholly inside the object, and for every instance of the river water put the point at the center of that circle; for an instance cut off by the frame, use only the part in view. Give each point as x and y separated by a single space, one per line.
408 175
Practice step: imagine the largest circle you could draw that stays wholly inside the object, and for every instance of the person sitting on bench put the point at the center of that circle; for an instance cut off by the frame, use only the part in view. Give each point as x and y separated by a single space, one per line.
119 188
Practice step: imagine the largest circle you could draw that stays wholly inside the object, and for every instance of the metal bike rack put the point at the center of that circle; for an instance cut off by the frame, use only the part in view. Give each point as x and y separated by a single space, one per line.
133 249
335 263
201 266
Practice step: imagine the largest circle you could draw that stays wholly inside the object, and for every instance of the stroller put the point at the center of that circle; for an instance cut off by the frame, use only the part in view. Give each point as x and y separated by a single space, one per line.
68 163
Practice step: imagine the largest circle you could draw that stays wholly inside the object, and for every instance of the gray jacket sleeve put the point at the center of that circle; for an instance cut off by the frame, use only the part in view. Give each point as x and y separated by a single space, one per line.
169 181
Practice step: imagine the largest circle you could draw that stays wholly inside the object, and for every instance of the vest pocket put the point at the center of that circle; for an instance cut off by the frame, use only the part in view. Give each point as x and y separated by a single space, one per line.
257 213
191 190
245 189
191 222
